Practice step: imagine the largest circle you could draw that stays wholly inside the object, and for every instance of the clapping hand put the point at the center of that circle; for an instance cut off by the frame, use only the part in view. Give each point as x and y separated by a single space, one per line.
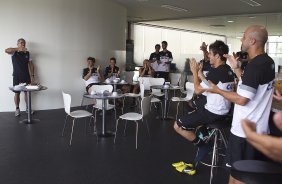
233 60
194 66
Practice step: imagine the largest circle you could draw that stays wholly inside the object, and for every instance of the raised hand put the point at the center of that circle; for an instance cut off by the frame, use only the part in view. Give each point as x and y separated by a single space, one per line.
232 60
98 68
194 66
204 46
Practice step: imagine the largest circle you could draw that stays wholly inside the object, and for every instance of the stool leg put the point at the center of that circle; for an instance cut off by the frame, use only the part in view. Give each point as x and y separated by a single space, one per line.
213 156
223 138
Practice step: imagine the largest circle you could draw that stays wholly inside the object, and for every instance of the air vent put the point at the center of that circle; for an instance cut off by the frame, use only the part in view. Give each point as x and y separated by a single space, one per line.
251 2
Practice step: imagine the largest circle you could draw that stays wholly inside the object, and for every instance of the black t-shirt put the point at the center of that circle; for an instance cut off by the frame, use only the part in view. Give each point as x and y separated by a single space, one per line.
108 70
258 71
154 55
166 54
222 73
206 65
20 62
86 71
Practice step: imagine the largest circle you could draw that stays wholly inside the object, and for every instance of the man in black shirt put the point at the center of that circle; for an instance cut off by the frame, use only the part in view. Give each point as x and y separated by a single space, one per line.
164 63
91 75
23 70
155 57
112 71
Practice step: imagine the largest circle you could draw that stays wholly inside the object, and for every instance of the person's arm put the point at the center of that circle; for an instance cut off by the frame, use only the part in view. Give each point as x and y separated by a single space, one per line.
101 77
87 75
229 95
268 145
118 72
11 50
141 72
31 71
151 71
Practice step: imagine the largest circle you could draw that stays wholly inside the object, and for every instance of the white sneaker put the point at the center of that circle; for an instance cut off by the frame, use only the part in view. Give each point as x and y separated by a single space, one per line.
17 112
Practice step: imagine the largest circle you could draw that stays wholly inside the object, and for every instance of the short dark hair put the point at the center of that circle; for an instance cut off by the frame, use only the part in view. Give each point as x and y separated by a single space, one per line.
114 59
157 45
21 39
220 48
164 42
91 59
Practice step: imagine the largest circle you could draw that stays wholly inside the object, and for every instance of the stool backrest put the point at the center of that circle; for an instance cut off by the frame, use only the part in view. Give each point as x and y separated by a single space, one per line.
145 81
156 81
128 76
99 88
142 90
190 90
145 105
174 78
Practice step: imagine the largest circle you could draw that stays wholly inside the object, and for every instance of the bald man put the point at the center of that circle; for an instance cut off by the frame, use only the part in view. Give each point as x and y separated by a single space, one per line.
253 97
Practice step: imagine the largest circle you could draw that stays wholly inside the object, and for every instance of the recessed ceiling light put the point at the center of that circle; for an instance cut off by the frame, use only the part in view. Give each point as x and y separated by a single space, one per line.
251 2
230 21
217 25
173 8
239 37
251 17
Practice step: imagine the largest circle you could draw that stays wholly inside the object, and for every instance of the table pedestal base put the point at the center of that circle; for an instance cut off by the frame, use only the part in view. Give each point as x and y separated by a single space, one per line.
106 134
32 121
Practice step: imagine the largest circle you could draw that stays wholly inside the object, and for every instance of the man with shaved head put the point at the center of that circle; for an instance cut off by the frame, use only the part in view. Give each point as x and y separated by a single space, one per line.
253 97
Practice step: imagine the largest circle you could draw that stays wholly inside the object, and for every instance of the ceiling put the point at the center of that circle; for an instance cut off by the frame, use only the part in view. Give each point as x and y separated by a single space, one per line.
209 16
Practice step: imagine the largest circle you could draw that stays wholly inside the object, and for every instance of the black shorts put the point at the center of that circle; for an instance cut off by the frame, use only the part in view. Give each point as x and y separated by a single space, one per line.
239 149
197 118
17 81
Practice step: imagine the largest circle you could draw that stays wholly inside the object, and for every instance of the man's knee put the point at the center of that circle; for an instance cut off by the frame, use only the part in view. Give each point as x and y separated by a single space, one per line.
176 127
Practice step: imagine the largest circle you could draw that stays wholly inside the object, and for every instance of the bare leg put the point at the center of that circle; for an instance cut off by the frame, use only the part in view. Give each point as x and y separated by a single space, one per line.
136 89
17 99
234 181
189 135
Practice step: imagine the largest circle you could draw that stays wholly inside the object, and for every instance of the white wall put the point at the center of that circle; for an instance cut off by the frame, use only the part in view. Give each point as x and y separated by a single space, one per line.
60 35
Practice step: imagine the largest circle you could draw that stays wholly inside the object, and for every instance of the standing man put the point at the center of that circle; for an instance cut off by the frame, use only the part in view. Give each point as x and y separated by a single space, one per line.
253 97
164 63
23 70
155 57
